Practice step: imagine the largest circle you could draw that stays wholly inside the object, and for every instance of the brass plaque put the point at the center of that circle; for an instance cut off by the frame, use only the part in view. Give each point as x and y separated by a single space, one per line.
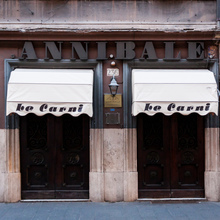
112 101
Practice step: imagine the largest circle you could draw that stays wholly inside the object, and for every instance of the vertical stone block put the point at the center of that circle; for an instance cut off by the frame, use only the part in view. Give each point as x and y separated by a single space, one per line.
96 150
130 186
13 151
3 167
113 150
212 186
2 187
114 187
3 149
212 164
96 187
212 151
130 146
13 187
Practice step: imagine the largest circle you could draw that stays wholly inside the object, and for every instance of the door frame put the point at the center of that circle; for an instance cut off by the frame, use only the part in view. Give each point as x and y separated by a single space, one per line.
166 157
211 122
12 147
52 158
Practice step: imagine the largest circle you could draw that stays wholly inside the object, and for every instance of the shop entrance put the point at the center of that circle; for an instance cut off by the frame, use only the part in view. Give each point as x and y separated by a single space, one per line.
170 156
54 157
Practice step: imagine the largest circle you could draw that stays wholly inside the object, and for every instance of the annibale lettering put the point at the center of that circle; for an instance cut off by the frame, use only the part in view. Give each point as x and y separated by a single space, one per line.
124 51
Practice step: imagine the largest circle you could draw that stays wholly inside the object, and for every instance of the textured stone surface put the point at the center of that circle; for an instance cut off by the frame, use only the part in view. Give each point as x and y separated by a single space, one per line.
2 164
2 150
10 177
212 186
2 187
117 15
130 146
113 150
114 187
212 164
96 186
130 186
96 150
212 151
13 151
13 187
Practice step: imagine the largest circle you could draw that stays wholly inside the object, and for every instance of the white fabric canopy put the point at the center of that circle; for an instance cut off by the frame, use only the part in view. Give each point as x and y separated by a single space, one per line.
174 90
55 91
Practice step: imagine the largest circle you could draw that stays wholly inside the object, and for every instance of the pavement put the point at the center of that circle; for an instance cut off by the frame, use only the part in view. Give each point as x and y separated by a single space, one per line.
108 211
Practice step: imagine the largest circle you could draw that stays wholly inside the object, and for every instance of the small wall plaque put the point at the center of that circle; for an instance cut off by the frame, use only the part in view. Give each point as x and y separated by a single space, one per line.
112 118
112 101
112 71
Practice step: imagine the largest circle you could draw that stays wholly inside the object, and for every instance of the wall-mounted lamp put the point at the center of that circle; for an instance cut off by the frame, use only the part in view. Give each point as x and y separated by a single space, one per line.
113 86
113 63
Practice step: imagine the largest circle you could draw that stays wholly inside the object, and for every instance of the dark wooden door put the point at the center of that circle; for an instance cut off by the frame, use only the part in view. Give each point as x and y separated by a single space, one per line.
54 157
170 156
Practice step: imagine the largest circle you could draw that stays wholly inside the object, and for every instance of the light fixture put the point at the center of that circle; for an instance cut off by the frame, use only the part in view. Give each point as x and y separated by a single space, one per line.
113 86
113 63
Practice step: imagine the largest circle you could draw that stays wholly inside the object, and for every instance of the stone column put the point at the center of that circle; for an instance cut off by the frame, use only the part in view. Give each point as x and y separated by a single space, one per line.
212 151
11 175
212 164
96 175
113 165
3 169
130 165
10 164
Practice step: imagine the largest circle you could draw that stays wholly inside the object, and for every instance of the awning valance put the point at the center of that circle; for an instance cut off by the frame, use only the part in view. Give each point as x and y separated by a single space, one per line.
170 91
54 91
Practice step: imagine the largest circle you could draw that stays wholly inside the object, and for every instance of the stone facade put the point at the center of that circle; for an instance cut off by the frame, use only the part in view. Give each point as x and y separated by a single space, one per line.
113 148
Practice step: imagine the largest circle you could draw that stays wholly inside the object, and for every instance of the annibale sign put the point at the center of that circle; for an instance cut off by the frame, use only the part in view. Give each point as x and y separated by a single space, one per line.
124 51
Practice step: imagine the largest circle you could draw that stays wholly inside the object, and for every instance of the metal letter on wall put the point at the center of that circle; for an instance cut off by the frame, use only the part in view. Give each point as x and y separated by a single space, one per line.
101 51
149 52
54 51
81 52
169 52
28 52
195 50
125 50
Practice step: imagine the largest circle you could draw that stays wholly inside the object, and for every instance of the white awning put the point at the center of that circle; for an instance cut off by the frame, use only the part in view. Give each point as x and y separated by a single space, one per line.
170 91
54 91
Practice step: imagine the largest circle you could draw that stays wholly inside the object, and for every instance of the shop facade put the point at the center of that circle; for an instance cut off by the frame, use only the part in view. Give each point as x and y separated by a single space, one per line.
118 148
